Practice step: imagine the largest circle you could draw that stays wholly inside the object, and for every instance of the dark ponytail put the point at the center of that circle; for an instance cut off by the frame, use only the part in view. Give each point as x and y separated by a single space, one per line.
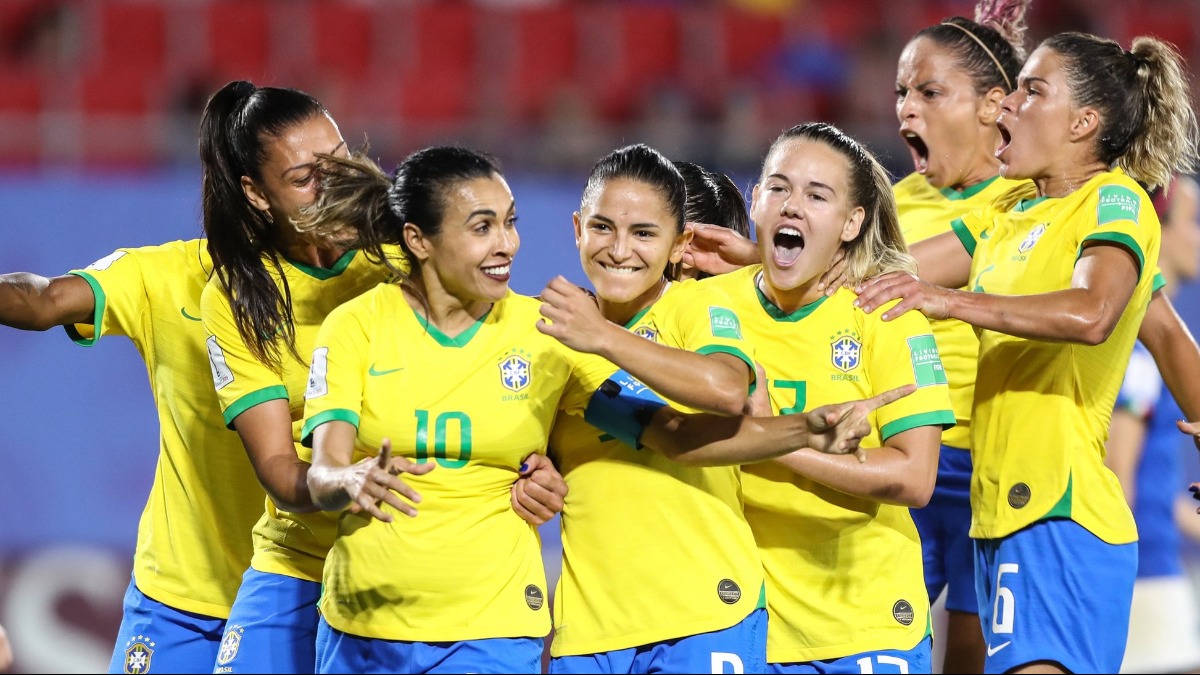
237 122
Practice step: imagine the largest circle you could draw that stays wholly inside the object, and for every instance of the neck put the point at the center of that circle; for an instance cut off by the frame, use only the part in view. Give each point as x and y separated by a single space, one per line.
1063 184
621 312
449 313
792 299
310 254
984 168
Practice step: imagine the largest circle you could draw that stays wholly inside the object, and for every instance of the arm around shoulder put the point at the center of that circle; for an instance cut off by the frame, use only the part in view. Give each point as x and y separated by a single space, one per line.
32 302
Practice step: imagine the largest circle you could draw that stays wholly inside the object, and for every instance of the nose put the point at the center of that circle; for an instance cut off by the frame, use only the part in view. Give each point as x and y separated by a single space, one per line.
620 246
904 106
509 241
789 206
1009 103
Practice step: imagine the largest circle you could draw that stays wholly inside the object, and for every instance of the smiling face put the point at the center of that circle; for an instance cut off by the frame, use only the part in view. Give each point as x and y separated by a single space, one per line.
470 259
948 126
288 178
802 215
627 234
1036 121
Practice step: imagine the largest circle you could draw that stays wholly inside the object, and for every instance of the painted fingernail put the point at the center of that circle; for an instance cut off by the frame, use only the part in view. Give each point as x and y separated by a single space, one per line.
523 469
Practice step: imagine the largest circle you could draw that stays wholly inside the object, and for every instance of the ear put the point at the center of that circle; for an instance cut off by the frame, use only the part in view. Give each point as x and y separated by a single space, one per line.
1085 124
754 197
680 245
578 228
853 224
416 241
989 106
255 195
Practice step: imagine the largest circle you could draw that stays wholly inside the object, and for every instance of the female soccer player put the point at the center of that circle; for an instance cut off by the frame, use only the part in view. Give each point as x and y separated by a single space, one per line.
825 524
615 609
454 369
1061 271
271 290
950 81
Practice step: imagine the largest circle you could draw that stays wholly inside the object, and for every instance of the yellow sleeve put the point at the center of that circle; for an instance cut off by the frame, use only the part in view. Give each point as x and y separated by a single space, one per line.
701 319
241 380
903 351
122 304
336 376
972 227
1118 216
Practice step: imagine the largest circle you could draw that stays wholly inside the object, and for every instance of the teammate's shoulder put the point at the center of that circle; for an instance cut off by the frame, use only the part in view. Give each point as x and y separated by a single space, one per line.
914 186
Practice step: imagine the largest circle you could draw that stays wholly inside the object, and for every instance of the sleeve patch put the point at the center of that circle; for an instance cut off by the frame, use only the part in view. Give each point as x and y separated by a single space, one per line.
318 384
1117 202
926 362
107 261
724 323
221 373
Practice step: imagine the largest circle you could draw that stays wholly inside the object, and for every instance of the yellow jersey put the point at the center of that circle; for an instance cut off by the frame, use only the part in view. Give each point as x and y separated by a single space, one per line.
292 544
687 562
192 544
844 573
467 566
926 211
1042 408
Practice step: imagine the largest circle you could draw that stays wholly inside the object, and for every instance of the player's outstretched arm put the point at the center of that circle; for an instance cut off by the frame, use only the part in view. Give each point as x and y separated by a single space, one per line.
32 302
336 483
712 440
710 382
1169 341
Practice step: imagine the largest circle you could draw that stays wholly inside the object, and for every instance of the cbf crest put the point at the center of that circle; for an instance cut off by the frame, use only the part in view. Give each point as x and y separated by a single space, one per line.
138 652
515 373
845 351
1032 238
647 332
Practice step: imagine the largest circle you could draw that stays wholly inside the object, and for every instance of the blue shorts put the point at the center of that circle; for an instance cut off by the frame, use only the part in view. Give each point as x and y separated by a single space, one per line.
1054 592
272 627
944 525
339 652
157 638
739 649
919 659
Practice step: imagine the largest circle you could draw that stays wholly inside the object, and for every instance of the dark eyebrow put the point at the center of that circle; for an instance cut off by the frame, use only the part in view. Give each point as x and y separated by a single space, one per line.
1036 79
610 221
309 165
780 177
488 212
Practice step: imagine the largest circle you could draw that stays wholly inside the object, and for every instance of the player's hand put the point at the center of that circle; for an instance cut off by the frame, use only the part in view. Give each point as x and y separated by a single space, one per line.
834 277
930 300
717 250
374 479
838 428
540 491
574 318
1192 429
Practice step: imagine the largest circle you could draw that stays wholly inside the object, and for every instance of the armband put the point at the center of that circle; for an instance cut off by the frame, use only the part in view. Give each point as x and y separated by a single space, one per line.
622 407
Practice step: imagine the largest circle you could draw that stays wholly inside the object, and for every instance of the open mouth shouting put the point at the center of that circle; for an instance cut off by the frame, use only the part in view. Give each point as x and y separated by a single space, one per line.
787 245
1005 138
919 150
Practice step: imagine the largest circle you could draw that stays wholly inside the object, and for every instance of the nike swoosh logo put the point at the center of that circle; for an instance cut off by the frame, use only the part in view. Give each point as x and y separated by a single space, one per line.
992 650
376 373
985 234
183 311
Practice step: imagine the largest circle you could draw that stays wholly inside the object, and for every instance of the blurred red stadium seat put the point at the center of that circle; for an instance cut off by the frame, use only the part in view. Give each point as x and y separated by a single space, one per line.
341 34
544 42
438 76
239 40
131 35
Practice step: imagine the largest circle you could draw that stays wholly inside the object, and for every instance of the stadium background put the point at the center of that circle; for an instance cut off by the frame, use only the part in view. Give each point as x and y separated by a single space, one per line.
99 105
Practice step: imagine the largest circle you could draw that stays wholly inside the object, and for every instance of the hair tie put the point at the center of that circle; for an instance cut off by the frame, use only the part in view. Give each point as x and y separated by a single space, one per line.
989 52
